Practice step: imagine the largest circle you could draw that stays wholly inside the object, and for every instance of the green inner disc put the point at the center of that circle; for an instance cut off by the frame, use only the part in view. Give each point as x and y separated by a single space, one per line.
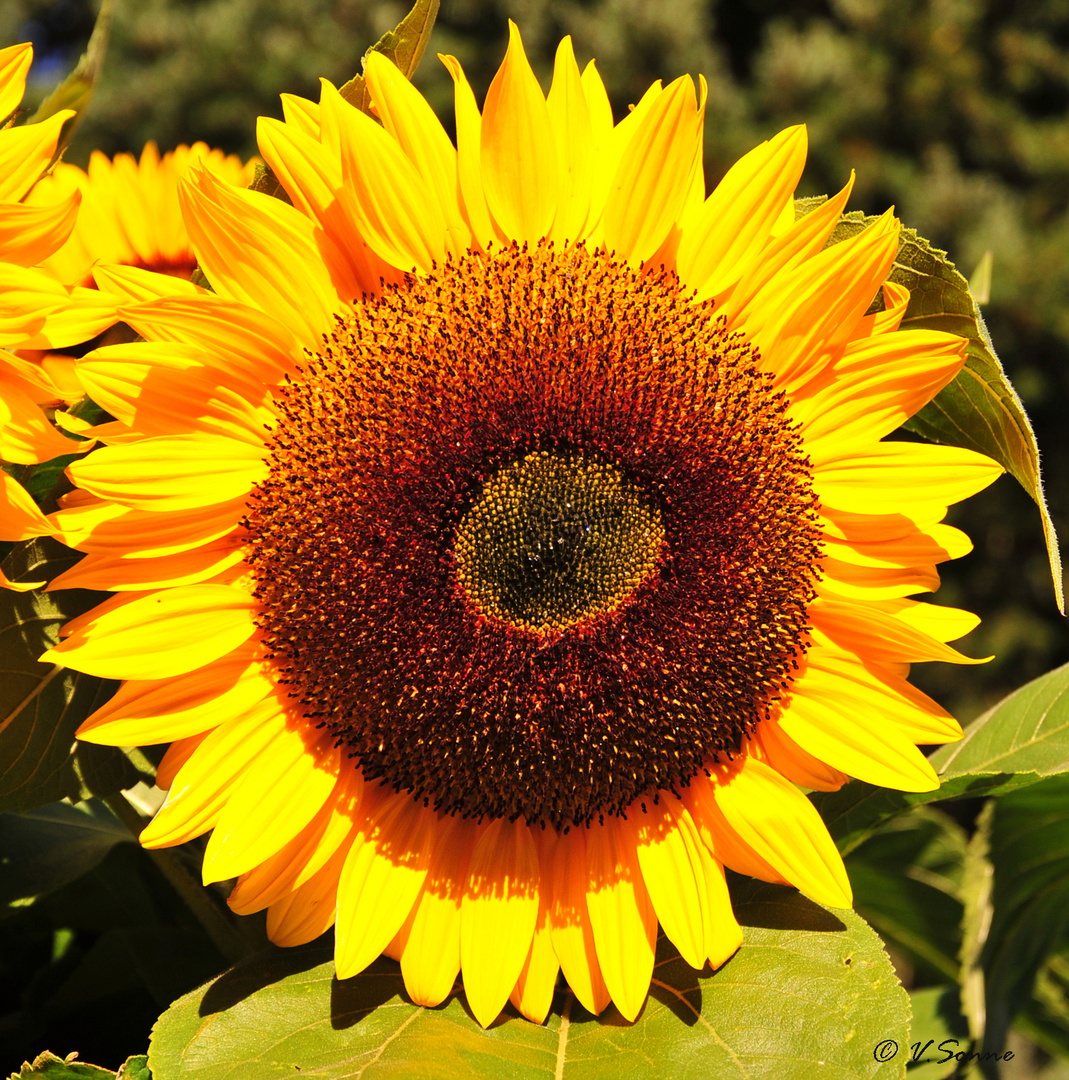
556 538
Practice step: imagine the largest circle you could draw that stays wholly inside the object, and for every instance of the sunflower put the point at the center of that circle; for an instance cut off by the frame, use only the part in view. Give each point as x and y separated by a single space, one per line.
492 613
130 214
33 308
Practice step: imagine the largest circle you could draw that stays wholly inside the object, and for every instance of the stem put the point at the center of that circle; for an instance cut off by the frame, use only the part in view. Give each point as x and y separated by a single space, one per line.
217 925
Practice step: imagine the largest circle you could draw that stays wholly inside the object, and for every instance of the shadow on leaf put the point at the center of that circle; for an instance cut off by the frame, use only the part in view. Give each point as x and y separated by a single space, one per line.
245 979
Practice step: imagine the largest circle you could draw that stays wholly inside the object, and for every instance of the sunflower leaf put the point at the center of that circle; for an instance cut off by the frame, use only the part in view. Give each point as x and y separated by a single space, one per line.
42 850
811 989
1030 897
41 705
1023 739
47 1066
76 90
404 45
980 409
906 882
937 1022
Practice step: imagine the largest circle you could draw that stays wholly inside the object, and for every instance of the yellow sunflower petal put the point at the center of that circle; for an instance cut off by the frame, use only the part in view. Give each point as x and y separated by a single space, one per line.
37 312
157 636
771 744
737 218
802 318
312 178
570 119
163 710
622 916
498 915
237 336
111 529
26 436
430 959
137 285
15 63
518 149
878 753
20 519
722 932
533 993
653 178
772 817
469 155
310 910
307 853
383 192
278 794
176 755
253 248
569 923
161 391
875 386
25 153
203 783
406 115
882 635
903 478
674 876
29 234
111 573
382 877
172 472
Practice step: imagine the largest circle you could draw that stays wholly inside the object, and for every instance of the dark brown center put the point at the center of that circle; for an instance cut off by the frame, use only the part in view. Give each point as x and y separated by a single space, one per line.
537 537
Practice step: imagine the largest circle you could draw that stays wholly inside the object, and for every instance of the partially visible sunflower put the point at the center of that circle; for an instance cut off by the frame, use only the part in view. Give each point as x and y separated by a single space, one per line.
130 214
491 613
34 308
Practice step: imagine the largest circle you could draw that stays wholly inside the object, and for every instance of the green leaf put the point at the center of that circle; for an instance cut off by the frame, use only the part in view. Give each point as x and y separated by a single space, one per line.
41 705
980 409
44 849
404 45
906 880
134 1068
1030 857
47 1066
1045 1018
76 90
1022 739
976 887
937 1021
810 991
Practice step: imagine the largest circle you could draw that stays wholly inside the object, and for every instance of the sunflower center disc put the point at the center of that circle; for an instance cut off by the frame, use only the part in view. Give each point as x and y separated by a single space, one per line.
536 538
554 539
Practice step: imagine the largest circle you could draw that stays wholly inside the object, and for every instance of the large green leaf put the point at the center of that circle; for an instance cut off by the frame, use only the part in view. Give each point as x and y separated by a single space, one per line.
809 991
44 849
1030 898
907 880
41 705
1024 738
980 409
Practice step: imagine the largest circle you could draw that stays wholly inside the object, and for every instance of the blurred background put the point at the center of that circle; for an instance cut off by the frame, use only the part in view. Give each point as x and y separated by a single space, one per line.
954 111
